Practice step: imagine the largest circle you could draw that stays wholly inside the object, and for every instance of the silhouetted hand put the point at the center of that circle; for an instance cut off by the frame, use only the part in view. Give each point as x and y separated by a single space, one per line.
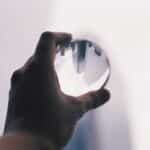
36 103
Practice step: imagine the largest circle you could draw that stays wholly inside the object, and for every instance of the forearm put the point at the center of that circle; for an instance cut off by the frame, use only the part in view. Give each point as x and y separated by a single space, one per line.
24 141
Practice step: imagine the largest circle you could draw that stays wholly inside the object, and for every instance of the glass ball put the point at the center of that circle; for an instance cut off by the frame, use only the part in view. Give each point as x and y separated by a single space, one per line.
81 66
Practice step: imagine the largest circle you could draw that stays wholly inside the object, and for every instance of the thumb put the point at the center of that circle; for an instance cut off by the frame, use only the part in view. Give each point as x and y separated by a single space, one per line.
94 99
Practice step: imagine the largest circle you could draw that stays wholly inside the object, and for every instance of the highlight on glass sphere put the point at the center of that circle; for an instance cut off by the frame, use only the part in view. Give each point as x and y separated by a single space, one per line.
81 66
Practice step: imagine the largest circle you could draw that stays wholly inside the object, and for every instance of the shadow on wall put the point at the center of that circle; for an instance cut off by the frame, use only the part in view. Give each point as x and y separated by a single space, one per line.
106 128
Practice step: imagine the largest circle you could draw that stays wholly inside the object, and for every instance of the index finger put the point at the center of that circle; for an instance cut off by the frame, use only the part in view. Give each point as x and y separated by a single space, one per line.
47 45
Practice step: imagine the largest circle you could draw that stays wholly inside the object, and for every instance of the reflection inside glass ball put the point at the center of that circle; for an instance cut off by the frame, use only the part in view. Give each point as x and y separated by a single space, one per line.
81 67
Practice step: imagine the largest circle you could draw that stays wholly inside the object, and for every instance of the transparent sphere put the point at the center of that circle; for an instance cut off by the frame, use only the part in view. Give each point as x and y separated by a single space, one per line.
81 66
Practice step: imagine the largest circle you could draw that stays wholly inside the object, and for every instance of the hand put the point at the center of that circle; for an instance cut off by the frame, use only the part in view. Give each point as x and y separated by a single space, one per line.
36 103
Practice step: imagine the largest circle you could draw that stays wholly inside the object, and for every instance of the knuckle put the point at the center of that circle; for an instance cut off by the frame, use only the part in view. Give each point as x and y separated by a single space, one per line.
46 35
16 76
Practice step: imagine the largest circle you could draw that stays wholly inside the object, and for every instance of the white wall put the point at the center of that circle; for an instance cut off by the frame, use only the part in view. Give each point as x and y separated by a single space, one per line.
122 28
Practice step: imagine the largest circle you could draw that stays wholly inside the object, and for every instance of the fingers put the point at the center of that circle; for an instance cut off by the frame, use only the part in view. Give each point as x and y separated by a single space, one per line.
93 100
46 48
45 55
62 38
